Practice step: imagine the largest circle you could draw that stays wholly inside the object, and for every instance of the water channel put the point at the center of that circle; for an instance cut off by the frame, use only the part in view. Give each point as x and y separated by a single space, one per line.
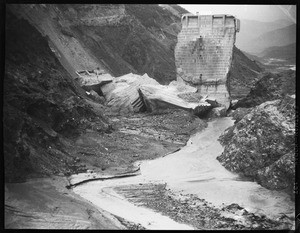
192 170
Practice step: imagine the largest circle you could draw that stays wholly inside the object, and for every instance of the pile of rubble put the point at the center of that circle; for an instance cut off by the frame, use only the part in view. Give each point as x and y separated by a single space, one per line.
135 93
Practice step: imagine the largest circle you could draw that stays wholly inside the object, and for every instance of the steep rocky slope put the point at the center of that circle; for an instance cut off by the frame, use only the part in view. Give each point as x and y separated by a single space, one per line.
44 108
279 37
262 144
114 37
117 38
269 87
242 75
41 103
246 34
286 53
51 126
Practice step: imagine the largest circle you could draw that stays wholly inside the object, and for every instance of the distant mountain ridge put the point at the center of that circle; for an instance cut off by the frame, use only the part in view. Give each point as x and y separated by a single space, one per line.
280 37
287 52
252 30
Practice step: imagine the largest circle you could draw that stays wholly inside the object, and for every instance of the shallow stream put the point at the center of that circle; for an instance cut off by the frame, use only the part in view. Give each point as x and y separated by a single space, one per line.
192 170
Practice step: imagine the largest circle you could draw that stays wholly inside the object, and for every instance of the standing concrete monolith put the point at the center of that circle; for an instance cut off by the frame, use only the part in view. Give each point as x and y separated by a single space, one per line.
203 53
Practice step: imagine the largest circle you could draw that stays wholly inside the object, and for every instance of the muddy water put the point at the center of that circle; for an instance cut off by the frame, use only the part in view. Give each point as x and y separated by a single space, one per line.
195 170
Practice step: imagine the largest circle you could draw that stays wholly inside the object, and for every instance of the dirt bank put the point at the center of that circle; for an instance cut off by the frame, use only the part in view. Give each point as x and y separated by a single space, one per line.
133 137
47 203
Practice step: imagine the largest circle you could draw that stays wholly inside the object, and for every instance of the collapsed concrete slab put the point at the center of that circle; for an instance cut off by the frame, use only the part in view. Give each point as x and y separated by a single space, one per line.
160 97
93 80
122 94
136 93
203 53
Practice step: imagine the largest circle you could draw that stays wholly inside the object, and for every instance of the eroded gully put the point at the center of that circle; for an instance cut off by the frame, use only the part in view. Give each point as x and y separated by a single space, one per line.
192 170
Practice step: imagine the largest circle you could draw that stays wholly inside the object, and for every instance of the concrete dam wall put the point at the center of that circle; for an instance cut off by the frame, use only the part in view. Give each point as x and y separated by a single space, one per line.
203 53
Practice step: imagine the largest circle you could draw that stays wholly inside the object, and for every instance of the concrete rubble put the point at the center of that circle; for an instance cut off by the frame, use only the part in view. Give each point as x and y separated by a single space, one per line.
157 97
122 94
136 93
203 58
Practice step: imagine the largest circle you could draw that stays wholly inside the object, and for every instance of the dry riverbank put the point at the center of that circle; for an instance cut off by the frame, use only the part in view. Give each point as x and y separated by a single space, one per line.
45 203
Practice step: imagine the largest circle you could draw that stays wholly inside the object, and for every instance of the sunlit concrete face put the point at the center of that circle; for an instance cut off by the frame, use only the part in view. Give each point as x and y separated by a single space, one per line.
203 53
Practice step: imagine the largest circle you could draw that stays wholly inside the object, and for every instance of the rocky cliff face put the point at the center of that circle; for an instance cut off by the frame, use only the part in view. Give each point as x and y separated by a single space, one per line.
116 38
269 87
45 44
242 75
42 104
261 144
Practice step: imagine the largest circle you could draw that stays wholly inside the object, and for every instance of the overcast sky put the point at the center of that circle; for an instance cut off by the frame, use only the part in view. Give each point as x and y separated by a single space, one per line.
264 13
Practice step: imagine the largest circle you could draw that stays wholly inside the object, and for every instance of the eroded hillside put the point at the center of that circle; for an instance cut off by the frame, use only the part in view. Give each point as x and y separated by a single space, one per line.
51 126
269 87
117 38
55 129
261 144
242 75
41 102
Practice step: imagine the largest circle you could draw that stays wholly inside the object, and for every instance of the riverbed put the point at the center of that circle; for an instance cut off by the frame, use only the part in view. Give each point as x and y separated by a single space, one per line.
192 170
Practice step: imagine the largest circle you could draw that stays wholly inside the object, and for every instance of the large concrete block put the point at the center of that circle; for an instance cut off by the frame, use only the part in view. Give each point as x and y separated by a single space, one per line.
204 53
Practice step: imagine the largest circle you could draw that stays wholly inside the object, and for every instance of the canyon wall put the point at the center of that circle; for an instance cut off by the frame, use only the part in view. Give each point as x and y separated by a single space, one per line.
203 53
117 38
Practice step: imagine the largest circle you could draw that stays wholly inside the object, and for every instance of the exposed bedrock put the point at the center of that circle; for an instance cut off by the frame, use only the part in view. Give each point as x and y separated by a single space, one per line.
117 38
43 107
261 144
269 87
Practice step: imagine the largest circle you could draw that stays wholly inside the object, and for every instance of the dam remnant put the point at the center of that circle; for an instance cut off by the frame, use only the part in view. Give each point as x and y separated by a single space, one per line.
203 53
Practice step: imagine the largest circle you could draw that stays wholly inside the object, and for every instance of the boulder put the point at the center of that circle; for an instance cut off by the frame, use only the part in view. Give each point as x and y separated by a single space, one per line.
94 96
262 144
239 113
213 102
217 112
90 81
269 87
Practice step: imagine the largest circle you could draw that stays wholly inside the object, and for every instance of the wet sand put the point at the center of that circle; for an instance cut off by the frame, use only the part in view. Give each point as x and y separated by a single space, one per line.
192 170
195 170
